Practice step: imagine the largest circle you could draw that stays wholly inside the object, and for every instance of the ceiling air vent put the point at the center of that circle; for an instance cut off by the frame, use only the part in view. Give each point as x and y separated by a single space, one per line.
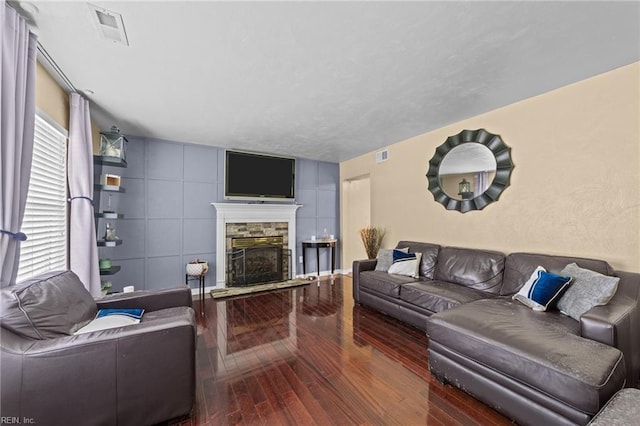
110 25
382 156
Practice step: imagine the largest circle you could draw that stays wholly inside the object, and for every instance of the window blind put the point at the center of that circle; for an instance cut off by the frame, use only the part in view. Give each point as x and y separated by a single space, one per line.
45 218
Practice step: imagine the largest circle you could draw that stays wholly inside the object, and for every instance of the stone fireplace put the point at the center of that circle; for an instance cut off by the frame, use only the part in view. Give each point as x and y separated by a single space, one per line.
256 260
263 227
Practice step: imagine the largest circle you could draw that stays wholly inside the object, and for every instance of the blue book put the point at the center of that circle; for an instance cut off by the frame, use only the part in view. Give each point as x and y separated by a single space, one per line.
131 313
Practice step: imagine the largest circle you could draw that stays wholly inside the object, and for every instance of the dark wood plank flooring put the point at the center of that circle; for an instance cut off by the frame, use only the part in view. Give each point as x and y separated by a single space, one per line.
307 355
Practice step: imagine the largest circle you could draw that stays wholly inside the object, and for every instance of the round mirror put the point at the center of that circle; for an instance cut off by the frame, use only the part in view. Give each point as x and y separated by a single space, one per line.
470 170
467 171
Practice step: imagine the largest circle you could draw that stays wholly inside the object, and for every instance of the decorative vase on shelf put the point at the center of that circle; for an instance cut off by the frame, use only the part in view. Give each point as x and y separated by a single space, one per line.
104 263
110 233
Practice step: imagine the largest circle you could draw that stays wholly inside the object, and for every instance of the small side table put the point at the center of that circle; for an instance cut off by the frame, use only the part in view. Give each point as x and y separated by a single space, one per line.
318 244
200 279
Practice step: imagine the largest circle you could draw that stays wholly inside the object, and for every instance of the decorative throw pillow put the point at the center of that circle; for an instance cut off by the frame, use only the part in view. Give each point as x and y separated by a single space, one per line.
542 290
385 258
589 289
406 264
112 318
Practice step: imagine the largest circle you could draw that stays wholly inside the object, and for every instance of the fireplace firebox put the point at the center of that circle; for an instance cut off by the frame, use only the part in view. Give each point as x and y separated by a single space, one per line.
257 260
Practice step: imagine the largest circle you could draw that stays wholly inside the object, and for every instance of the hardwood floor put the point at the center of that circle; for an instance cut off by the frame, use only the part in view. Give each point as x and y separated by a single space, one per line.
307 355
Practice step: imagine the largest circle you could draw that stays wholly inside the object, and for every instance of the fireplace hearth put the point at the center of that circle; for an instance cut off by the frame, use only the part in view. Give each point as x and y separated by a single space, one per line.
257 260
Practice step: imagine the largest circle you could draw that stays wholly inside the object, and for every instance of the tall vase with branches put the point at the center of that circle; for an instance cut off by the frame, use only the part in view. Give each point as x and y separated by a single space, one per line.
372 239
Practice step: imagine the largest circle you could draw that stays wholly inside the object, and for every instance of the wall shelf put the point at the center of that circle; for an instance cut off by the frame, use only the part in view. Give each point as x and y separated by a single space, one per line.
109 161
110 243
109 188
109 215
113 270
101 161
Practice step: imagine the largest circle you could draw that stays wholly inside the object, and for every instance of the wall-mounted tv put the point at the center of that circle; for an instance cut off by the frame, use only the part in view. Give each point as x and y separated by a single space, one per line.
253 176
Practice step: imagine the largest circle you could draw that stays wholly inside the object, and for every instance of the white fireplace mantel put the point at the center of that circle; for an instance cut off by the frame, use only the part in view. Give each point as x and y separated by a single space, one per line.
245 213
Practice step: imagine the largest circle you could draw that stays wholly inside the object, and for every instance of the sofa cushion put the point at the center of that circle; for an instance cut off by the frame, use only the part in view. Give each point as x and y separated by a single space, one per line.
437 296
50 305
543 289
477 269
519 266
541 349
429 256
383 282
588 290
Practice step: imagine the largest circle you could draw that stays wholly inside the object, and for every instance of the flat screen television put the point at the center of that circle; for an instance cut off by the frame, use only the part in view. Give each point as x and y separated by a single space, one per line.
253 176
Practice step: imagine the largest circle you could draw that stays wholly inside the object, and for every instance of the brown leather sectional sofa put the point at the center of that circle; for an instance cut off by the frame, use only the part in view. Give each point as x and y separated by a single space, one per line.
534 367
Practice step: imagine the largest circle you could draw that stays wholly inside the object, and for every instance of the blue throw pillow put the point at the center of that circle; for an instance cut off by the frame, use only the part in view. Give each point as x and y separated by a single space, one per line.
543 290
135 313
399 255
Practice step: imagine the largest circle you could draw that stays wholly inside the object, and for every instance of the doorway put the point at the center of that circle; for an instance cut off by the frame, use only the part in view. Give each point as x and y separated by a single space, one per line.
356 214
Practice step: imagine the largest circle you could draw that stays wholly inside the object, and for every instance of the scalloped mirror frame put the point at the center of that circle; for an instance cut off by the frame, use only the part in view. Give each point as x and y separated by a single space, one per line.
504 167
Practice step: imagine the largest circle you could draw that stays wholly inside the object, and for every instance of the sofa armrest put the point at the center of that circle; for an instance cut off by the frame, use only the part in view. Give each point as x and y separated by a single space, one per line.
27 347
40 376
606 323
616 324
360 266
149 300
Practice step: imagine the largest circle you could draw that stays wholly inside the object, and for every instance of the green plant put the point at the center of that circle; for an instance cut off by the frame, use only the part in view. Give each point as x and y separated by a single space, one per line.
372 239
105 287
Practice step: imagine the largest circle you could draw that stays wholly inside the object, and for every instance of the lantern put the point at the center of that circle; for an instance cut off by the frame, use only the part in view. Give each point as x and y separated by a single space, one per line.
464 186
113 144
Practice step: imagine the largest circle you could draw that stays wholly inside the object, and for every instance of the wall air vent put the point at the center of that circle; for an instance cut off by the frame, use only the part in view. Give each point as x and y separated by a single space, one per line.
109 24
382 156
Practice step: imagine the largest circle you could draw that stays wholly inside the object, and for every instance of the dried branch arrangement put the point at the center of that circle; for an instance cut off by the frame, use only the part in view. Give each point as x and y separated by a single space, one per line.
372 239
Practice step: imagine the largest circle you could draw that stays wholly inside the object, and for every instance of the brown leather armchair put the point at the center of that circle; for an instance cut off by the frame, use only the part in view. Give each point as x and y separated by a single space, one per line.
140 374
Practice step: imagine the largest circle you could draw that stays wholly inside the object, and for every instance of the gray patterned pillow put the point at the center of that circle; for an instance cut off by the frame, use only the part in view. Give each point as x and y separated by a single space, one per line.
385 258
589 289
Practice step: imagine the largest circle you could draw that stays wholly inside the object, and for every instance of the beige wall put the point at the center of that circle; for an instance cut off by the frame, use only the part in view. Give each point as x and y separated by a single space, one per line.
54 101
575 189
51 98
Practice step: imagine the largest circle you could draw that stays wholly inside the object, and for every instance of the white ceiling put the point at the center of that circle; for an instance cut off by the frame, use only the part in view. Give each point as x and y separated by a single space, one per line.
468 158
326 80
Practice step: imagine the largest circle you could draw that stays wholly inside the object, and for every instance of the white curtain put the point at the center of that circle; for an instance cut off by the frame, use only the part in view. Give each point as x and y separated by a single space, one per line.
83 252
17 117
481 179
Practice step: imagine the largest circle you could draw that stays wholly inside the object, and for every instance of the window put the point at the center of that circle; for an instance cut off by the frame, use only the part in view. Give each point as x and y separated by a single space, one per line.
45 217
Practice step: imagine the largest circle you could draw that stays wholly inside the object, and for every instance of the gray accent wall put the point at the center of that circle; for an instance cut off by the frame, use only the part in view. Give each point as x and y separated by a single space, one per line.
169 219
317 190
